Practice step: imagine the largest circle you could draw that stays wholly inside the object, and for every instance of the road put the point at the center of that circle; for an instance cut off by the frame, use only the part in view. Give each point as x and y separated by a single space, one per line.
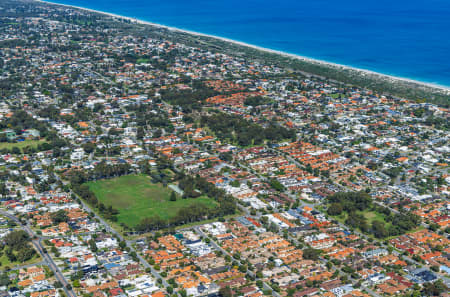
302 204
219 248
213 243
370 291
48 260
443 277
109 229
129 243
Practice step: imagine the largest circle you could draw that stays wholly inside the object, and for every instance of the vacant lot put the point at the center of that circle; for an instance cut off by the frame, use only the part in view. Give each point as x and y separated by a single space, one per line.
136 197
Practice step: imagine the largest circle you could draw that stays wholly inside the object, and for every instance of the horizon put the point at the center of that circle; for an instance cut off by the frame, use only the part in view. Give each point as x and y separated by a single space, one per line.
374 67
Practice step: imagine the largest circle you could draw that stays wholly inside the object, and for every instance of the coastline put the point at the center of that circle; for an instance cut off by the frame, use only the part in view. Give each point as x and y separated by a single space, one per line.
390 78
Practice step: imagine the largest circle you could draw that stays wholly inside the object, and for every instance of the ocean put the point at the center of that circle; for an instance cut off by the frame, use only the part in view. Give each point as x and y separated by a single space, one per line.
404 38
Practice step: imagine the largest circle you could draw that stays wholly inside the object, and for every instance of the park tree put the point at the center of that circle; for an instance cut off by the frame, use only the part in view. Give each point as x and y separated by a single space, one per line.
434 289
25 254
16 239
335 209
93 245
311 254
379 229
59 217
89 147
226 292
173 196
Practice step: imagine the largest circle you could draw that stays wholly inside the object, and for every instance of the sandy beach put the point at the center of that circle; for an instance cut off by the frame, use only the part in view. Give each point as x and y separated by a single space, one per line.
364 72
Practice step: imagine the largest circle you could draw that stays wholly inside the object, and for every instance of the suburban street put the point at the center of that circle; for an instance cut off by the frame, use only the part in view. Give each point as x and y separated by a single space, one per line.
47 259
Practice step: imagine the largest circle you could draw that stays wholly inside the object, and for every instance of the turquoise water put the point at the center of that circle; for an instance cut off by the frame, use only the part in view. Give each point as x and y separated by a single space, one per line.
406 38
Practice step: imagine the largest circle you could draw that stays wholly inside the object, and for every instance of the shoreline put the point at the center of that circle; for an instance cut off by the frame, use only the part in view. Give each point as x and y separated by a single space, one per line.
392 78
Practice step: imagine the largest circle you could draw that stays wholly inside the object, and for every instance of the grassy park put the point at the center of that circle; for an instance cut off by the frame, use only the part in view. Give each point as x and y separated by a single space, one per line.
5 262
357 210
136 197
21 144
368 214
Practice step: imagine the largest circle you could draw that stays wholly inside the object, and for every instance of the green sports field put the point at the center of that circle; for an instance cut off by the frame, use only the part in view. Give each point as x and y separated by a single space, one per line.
136 197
